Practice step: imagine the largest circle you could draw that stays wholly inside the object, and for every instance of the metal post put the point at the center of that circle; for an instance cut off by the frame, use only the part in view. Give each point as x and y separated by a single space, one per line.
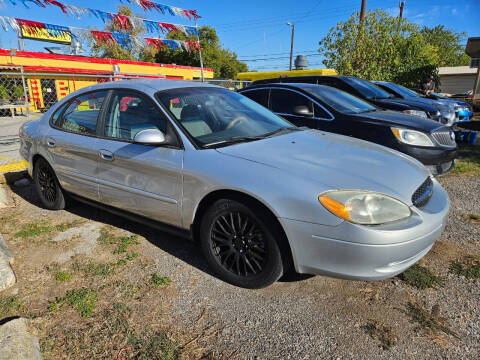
200 52
27 104
291 45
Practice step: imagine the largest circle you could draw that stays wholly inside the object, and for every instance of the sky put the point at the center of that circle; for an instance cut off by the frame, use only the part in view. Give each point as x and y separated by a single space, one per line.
257 30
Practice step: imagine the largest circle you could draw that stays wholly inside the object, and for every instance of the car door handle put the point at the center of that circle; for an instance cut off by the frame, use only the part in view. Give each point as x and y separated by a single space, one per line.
50 142
106 155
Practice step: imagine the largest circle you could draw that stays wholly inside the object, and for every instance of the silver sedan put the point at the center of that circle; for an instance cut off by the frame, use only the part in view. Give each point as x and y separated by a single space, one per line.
260 195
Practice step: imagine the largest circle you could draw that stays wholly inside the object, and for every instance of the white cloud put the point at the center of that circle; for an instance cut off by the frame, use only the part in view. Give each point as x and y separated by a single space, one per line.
454 11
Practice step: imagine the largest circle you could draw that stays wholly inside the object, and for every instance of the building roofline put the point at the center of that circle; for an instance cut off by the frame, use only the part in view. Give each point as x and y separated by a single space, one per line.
31 54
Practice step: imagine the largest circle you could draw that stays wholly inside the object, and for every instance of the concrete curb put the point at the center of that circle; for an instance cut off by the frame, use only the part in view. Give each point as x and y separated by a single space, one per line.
7 276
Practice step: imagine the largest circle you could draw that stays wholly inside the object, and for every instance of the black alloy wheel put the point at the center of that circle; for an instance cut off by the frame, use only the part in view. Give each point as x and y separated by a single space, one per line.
47 186
240 244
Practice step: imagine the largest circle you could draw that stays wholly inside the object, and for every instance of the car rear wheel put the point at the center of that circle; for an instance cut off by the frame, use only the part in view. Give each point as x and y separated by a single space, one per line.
47 186
240 245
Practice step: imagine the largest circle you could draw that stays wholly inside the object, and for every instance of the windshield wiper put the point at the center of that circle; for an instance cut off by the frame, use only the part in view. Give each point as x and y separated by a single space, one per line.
366 111
233 140
280 130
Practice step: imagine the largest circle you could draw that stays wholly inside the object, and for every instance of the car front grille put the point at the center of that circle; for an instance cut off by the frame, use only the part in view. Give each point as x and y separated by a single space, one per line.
443 137
422 195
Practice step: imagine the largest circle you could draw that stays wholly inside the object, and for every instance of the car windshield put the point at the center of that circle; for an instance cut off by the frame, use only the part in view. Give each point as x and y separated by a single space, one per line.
402 90
367 89
215 116
339 100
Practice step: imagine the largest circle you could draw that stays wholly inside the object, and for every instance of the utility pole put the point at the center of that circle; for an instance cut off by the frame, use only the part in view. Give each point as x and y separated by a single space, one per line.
362 11
291 44
402 4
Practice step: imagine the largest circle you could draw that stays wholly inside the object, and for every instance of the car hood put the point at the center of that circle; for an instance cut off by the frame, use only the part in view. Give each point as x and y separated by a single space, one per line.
337 162
392 118
405 104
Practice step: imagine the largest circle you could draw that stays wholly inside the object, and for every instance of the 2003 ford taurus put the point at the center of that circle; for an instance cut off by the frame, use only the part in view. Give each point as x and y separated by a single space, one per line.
260 195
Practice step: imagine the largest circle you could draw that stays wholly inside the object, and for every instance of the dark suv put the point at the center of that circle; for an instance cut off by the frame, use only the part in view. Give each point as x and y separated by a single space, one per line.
329 109
367 91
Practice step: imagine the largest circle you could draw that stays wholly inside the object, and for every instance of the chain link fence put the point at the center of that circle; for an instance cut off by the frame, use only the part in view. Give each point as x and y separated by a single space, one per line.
24 91
13 93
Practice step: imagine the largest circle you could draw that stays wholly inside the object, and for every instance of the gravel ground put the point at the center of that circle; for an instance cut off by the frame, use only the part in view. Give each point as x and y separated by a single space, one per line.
318 317
324 318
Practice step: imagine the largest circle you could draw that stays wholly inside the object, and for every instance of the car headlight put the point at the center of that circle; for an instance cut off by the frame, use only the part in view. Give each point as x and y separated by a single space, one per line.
412 137
419 113
364 207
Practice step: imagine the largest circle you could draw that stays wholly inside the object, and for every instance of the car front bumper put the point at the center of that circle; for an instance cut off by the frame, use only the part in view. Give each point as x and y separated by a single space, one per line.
440 159
359 252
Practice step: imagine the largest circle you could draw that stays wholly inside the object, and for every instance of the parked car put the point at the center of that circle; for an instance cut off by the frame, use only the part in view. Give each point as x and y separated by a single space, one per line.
259 194
452 111
448 110
329 109
367 91
463 109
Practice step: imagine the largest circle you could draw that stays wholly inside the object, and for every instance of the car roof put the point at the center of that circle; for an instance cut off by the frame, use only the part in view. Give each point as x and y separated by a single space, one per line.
155 84
292 85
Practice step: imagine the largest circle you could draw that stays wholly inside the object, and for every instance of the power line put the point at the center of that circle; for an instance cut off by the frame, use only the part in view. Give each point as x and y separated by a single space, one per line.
275 58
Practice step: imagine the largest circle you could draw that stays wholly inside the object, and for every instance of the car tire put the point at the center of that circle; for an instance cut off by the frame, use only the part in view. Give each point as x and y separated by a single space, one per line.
239 244
47 186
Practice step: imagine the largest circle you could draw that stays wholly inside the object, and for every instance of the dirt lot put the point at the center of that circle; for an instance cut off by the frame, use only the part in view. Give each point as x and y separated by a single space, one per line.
100 287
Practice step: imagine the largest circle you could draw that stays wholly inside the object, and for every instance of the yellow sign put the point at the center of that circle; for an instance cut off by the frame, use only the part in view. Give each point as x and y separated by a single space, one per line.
61 37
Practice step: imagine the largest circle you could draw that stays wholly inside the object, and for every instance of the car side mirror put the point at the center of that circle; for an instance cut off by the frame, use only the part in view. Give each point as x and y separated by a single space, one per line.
302 110
150 137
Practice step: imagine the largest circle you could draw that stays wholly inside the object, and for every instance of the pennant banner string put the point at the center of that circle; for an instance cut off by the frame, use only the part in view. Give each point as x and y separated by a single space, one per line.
145 4
122 21
100 37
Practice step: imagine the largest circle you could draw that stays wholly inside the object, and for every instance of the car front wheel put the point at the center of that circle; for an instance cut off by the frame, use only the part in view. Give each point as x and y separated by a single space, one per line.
47 186
240 245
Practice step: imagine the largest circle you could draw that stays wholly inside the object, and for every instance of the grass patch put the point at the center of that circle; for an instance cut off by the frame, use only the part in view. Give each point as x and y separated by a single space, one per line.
114 336
9 306
95 269
63 276
468 160
82 300
157 280
421 278
155 346
385 335
429 320
38 228
6 220
468 267
122 242
473 218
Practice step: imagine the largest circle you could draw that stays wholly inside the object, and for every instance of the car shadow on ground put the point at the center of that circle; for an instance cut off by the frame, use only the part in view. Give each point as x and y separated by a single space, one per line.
183 249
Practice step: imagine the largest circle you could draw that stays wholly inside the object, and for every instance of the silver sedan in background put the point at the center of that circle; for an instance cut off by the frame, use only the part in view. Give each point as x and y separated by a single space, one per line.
260 195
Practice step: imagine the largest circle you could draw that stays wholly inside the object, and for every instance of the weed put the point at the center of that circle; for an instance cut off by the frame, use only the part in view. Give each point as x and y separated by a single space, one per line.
155 346
384 334
429 320
63 276
474 218
469 267
5 221
157 280
122 242
127 289
421 278
82 300
42 227
99 269
131 256
121 262
9 306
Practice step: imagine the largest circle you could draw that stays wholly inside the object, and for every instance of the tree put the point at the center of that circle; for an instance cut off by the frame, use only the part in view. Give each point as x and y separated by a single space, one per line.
447 45
387 48
223 61
114 51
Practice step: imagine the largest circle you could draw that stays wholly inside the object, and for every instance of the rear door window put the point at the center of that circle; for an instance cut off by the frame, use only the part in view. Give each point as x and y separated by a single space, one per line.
259 96
131 112
82 113
284 101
